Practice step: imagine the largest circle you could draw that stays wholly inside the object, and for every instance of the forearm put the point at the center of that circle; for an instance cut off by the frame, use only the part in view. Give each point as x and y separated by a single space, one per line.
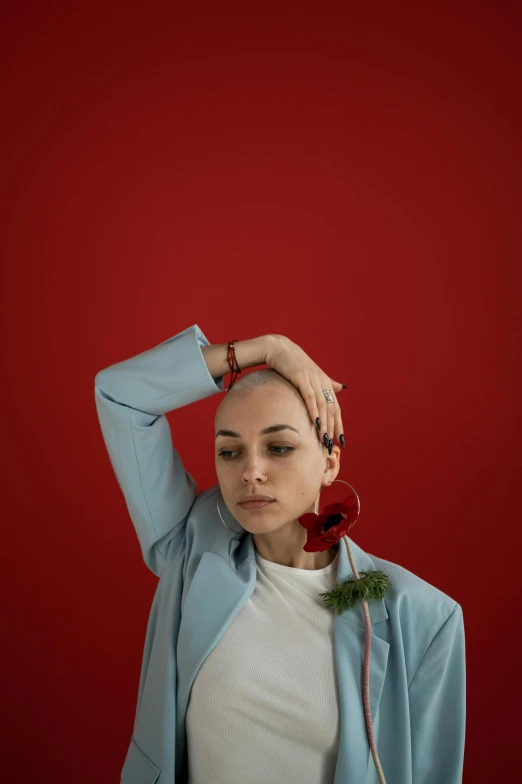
249 353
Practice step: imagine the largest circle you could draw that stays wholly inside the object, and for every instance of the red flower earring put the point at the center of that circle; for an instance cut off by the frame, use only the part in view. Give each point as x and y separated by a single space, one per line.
326 529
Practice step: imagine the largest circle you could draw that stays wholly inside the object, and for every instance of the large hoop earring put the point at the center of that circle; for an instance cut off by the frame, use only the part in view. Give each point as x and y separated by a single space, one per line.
316 505
219 512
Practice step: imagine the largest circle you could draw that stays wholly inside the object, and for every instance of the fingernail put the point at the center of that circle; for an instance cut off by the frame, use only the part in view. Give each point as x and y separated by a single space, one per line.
318 423
330 447
344 386
326 439
341 439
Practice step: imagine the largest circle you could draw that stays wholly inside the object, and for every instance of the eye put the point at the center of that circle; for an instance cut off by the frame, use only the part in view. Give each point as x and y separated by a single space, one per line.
288 449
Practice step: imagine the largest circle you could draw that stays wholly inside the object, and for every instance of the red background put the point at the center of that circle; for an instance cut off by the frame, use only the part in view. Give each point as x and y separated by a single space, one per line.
346 174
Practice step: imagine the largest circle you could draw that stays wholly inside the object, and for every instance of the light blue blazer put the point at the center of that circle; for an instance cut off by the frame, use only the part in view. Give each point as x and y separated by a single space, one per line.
207 572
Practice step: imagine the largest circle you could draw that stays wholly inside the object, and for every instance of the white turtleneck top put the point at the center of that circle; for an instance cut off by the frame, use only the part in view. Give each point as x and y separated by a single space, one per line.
264 705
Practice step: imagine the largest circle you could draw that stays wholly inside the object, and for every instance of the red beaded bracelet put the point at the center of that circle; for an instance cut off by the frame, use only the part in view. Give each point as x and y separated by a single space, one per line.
231 359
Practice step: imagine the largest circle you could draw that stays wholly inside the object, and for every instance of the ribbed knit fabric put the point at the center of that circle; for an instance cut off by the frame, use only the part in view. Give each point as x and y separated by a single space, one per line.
264 706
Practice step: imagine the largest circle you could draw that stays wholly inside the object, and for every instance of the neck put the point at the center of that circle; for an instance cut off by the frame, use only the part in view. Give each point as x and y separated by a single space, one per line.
287 557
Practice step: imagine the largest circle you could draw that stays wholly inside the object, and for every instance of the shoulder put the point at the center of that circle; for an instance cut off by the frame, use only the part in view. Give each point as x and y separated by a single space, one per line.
205 502
417 609
204 527
408 587
205 495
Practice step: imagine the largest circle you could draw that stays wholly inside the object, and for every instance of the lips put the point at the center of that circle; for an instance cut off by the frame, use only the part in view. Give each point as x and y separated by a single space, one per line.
254 504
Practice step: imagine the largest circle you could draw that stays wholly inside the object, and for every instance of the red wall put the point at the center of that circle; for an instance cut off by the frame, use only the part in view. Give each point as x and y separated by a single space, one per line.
346 174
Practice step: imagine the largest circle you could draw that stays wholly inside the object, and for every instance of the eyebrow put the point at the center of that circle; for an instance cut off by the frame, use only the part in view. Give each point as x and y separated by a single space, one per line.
271 429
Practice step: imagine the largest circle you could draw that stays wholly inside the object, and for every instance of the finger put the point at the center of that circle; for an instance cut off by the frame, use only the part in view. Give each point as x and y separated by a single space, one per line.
332 414
337 386
320 409
339 427
310 399
324 414
333 410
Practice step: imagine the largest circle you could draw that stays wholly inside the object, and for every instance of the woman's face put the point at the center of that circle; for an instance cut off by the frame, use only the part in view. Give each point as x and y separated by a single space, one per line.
294 461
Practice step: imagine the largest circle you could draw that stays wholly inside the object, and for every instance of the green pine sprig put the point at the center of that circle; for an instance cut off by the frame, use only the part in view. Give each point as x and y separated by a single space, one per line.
373 585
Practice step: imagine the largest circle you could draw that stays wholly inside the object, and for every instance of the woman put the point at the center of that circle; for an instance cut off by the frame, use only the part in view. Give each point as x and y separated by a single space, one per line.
247 676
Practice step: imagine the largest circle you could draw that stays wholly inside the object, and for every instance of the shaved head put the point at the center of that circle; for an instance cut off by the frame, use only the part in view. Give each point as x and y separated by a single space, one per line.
266 377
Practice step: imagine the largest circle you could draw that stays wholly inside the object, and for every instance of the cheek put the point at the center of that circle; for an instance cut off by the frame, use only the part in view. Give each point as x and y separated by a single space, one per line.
221 470
228 475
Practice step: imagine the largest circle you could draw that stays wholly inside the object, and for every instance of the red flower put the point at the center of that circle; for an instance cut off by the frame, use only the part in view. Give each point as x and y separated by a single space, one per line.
326 529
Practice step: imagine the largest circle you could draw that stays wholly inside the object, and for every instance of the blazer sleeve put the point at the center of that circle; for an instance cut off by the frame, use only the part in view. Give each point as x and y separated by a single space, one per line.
437 697
132 398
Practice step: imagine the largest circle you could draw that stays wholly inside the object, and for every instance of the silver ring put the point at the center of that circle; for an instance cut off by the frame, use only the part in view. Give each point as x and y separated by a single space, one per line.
328 395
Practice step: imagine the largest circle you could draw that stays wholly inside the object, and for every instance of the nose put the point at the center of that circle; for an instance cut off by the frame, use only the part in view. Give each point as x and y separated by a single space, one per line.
250 477
254 474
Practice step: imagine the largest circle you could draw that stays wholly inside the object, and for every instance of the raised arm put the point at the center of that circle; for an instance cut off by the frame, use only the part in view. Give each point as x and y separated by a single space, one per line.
132 398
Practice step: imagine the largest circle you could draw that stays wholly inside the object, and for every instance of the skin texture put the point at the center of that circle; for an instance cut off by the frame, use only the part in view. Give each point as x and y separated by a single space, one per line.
295 478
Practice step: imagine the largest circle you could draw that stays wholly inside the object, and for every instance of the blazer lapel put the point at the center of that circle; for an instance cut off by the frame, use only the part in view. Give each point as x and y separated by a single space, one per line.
216 594
220 587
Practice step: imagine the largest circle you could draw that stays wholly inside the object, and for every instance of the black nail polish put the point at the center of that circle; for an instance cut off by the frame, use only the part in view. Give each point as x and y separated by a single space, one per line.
341 439
318 423
330 447
344 386
326 439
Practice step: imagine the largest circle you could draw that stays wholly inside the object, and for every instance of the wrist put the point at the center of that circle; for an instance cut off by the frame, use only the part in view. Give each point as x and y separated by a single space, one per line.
253 351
